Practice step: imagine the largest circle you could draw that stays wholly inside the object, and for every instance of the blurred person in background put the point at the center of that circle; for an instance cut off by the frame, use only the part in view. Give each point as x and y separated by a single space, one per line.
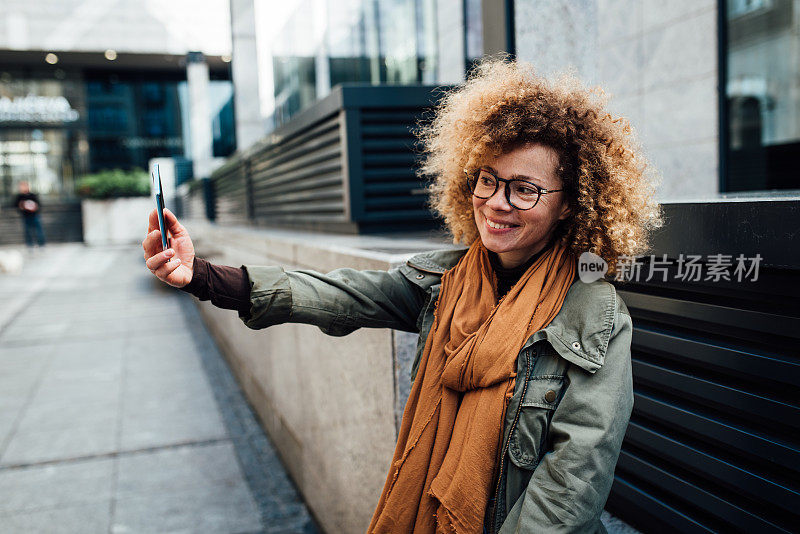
522 386
29 207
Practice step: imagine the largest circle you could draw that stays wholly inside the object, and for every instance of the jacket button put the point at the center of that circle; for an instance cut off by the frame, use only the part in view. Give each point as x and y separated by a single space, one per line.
420 276
550 396
576 345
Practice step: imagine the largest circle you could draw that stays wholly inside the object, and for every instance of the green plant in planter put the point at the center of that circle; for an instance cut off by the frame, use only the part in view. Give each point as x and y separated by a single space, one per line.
114 183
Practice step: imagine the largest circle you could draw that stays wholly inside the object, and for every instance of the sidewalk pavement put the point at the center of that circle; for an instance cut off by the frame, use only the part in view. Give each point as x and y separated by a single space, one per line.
117 411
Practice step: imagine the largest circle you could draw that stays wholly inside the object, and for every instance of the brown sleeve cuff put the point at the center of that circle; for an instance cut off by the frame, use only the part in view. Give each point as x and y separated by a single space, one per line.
226 287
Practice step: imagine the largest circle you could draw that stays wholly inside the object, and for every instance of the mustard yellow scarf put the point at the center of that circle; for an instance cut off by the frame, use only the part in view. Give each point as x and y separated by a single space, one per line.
449 443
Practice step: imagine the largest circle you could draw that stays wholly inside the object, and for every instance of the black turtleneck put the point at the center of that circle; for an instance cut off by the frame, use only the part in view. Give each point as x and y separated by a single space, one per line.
506 278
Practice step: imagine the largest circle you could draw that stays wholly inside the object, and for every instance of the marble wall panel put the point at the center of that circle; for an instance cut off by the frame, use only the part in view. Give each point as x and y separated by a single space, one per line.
629 107
680 51
348 427
618 20
690 170
680 113
618 67
557 35
659 13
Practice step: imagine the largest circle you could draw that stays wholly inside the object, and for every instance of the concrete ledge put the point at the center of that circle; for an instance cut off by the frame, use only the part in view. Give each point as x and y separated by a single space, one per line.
332 406
115 221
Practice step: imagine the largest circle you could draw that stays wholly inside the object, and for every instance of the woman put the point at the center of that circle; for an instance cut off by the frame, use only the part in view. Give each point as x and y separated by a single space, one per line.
522 383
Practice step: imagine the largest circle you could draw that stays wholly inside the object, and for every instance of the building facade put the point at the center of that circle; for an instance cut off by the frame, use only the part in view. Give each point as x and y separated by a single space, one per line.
89 86
711 87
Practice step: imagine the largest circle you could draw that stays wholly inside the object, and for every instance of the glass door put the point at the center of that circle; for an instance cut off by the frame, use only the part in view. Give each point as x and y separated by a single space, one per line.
39 156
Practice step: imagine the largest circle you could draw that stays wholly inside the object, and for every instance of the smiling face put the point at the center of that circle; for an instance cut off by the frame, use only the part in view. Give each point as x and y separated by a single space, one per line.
516 235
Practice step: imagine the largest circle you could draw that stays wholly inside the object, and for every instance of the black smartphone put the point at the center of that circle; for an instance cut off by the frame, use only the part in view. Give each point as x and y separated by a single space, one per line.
158 193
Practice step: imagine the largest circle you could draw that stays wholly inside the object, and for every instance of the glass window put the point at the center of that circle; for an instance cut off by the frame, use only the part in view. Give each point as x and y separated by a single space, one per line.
763 95
473 20
223 126
56 126
326 42
131 120
41 131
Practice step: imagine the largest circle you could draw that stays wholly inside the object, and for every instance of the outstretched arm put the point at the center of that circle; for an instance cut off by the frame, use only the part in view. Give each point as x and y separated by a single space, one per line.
338 302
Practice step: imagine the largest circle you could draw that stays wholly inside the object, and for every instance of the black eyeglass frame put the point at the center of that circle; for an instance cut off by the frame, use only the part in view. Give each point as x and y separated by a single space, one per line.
472 181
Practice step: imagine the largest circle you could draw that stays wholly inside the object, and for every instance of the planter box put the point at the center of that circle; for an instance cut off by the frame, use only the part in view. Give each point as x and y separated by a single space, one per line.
119 221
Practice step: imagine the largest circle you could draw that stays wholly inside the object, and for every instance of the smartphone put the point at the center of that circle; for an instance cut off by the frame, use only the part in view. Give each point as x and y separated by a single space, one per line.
158 193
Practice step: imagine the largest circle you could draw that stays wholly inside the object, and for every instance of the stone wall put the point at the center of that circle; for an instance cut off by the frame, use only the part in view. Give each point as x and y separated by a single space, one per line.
331 405
658 61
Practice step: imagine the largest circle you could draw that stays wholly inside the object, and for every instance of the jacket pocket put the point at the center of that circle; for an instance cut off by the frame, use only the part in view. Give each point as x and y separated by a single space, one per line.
529 436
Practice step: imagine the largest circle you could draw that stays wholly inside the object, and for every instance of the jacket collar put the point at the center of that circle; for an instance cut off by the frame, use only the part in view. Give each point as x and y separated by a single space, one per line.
579 332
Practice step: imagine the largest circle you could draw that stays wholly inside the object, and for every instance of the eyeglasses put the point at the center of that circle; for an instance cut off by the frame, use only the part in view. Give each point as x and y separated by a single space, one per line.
520 194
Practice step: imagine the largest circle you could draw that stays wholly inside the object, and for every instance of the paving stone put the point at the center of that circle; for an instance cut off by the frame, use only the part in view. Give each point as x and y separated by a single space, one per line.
189 403
154 430
55 485
96 349
7 421
269 483
97 392
178 469
86 519
52 444
119 414
206 509
65 415
11 359
19 380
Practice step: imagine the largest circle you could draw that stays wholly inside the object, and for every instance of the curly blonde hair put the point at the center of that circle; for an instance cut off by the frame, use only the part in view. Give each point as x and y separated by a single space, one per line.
504 105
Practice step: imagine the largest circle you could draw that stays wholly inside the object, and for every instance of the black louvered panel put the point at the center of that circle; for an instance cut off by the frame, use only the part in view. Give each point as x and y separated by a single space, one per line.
391 189
717 395
639 505
300 179
699 423
62 222
230 193
720 316
323 135
714 439
735 482
737 361
699 509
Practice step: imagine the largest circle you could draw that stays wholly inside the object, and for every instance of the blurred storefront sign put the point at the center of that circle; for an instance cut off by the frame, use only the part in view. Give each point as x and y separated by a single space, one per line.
37 109
152 142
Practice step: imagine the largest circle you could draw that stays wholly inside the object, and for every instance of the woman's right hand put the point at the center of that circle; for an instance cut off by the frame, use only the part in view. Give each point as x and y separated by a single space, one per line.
174 265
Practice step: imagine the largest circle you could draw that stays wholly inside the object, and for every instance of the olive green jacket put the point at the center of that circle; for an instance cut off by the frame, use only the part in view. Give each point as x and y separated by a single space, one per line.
567 417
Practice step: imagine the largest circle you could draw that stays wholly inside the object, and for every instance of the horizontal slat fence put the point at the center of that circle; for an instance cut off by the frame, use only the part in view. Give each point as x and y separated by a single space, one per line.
346 164
300 179
193 201
62 223
714 439
391 189
230 192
